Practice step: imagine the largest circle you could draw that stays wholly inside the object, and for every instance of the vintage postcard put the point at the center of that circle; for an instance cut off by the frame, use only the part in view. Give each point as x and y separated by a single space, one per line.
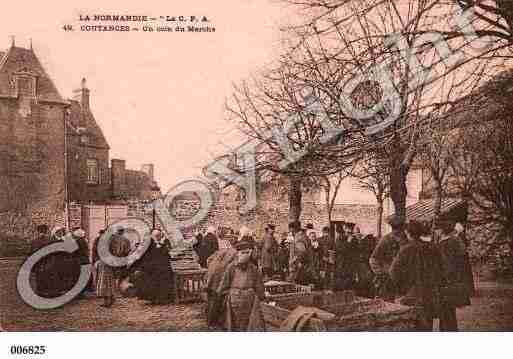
255 166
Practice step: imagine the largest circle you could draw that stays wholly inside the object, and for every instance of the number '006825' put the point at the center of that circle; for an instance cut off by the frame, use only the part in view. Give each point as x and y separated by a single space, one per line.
28 349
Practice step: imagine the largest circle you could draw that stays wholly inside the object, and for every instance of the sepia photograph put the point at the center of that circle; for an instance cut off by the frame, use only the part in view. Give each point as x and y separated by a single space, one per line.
255 166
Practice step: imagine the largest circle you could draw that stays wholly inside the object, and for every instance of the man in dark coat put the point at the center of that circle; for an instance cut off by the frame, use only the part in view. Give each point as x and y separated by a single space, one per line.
456 291
269 253
79 257
328 258
210 245
346 262
383 255
198 248
300 256
418 274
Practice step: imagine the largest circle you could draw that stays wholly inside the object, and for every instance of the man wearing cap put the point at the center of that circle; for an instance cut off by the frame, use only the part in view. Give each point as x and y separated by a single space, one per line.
269 252
299 260
384 254
242 288
457 290
328 257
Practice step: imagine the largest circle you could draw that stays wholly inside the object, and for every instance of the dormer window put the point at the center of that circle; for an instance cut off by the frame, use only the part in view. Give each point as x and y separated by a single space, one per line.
84 137
25 83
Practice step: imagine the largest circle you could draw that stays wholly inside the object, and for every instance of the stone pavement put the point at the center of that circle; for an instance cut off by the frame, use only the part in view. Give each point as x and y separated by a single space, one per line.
127 314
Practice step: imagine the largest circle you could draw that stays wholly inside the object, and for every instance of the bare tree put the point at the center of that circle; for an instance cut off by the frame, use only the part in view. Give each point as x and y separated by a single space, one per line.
294 140
331 186
398 36
435 155
373 176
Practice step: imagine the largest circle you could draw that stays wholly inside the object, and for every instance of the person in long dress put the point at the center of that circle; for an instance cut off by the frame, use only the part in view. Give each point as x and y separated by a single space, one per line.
106 275
242 289
105 283
41 270
217 265
154 277
58 266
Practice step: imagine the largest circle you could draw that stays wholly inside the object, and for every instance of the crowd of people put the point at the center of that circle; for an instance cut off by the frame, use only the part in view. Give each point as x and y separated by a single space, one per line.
413 265
148 276
335 259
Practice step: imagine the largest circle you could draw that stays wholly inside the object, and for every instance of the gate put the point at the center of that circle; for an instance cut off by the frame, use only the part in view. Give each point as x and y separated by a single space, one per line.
98 217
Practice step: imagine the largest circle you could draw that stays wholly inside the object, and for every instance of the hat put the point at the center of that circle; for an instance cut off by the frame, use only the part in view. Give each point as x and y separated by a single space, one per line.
244 244
309 226
79 233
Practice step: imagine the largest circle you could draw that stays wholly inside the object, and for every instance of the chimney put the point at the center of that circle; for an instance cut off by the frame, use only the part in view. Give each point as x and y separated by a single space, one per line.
148 168
82 95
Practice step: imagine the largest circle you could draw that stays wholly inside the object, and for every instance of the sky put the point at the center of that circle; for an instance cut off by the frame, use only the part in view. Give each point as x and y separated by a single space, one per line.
157 96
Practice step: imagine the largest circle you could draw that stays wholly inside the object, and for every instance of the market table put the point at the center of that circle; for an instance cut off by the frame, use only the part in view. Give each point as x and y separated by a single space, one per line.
189 284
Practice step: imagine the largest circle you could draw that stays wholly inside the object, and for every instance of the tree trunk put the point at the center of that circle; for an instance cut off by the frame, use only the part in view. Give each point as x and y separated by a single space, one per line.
380 218
295 196
437 201
329 208
398 190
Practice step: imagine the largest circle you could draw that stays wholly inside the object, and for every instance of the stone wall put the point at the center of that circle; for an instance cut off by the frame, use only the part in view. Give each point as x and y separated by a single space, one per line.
273 208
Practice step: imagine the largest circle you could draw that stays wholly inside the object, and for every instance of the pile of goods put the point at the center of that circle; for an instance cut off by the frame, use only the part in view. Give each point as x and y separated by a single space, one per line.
274 287
183 259
288 292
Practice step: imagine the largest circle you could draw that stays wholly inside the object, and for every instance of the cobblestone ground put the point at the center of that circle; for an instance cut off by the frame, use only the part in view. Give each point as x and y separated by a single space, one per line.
127 314
492 310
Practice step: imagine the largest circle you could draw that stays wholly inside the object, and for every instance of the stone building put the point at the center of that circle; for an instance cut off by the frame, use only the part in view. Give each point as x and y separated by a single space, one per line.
53 150
91 177
32 145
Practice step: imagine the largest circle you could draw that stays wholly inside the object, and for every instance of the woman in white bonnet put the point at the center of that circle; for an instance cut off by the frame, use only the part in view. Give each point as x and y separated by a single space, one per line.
58 233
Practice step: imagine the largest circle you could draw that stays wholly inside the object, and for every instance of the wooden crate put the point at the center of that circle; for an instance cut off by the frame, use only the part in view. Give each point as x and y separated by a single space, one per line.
189 285
348 314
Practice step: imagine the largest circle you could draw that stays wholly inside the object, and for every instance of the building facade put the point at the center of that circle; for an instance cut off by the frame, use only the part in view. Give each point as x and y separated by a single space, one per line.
32 141
52 150
92 176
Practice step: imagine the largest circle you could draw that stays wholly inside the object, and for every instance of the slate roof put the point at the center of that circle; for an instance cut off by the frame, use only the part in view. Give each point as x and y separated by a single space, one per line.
18 59
423 210
82 117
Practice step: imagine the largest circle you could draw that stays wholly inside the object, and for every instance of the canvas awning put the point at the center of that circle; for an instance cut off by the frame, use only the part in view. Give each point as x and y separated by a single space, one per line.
423 211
